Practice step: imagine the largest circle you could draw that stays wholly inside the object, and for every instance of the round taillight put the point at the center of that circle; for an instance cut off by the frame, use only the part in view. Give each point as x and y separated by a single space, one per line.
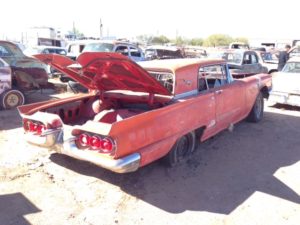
95 142
84 140
107 145
40 128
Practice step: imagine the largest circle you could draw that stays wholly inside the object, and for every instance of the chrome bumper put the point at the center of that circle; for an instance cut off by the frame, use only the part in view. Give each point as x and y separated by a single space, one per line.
285 98
54 140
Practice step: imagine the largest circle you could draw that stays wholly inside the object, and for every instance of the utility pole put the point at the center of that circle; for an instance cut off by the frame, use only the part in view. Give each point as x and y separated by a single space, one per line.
101 29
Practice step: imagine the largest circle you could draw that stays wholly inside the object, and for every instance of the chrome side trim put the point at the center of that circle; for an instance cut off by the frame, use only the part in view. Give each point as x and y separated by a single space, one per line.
186 94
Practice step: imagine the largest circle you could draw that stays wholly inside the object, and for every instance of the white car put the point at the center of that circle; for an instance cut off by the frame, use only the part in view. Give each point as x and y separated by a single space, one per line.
9 97
286 84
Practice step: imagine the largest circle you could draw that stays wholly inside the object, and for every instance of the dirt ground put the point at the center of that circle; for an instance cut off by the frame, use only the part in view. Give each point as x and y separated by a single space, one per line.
245 177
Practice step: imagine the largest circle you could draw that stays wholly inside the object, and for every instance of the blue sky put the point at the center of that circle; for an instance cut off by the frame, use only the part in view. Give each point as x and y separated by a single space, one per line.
188 18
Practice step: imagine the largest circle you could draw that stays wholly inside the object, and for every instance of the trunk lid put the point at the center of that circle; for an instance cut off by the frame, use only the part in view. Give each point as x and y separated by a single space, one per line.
106 71
286 82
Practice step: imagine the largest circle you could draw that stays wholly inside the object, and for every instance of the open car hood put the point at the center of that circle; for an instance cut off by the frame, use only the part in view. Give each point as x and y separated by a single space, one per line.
105 71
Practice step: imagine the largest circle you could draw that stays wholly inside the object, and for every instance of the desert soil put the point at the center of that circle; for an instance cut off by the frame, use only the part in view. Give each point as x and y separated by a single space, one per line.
247 176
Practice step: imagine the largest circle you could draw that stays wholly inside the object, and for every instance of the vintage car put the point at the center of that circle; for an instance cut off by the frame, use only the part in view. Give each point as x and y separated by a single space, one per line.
123 47
162 52
268 60
9 97
135 113
286 84
241 62
27 73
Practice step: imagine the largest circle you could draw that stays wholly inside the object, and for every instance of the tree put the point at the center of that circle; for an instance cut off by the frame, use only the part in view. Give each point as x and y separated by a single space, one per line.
160 40
242 39
196 41
218 40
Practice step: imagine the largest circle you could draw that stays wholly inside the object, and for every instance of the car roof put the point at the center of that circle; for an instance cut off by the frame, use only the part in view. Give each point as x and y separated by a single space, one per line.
173 65
49 47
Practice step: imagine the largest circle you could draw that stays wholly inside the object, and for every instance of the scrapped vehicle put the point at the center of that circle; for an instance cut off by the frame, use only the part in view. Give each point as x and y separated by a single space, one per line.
9 97
194 52
268 60
162 52
242 63
137 113
122 47
44 49
75 48
27 73
286 84
125 48
238 45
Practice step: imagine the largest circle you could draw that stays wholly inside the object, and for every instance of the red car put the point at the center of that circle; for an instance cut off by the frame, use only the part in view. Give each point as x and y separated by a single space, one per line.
138 113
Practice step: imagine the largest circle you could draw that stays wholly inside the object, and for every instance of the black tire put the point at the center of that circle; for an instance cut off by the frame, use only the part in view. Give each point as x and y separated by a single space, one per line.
257 111
11 99
181 150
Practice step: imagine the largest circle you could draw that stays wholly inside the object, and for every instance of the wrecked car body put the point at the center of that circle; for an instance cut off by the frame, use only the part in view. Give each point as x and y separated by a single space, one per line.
27 73
135 113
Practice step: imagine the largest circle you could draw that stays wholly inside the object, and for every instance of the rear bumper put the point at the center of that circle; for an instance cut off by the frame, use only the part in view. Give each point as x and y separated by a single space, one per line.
284 98
54 140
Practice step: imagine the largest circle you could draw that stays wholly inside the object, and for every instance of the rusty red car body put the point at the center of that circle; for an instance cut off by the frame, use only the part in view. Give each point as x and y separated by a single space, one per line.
135 113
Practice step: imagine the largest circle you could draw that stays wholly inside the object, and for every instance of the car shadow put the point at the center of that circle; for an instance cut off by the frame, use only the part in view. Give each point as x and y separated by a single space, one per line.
13 208
285 107
224 171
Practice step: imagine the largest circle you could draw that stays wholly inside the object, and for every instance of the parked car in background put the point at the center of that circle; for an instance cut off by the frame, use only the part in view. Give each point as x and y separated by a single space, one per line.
268 60
44 49
194 52
286 84
40 49
238 45
125 48
9 97
162 52
75 48
27 73
295 52
139 113
241 62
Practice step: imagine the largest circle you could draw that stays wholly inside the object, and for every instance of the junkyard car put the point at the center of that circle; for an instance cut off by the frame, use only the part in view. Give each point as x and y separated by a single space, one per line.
286 84
268 60
125 48
42 49
9 97
138 113
241 62
162 52
27 73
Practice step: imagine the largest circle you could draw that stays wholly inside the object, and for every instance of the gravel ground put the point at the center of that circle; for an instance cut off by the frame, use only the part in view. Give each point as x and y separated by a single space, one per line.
246 176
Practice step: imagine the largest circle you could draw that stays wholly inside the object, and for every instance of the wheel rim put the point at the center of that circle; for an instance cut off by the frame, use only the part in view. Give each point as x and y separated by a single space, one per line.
12 100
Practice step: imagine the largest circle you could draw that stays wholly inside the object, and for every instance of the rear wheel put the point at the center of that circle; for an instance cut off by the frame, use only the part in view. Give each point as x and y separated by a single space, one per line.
11 99
181 150
257 110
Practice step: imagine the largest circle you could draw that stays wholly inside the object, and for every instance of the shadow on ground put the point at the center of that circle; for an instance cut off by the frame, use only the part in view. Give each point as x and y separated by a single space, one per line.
222 174
13 208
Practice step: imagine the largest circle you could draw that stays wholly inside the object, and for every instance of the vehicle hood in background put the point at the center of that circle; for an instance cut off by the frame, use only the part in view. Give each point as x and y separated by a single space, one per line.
105 71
